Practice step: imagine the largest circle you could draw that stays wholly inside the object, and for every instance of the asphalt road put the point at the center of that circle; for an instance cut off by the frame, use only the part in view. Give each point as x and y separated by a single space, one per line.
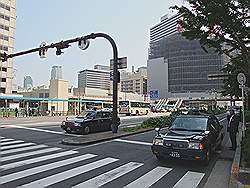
35 158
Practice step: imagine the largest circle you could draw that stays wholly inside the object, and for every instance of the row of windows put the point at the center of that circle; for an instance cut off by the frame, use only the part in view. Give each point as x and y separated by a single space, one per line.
4 17
4 48
4 27
4 6
43 95
4 37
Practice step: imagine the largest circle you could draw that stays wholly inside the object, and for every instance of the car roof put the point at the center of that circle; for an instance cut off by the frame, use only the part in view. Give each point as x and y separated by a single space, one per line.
195 116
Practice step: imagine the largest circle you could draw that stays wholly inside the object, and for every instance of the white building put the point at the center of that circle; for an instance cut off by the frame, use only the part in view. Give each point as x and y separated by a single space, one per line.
135 81
56 72
99 79
7 37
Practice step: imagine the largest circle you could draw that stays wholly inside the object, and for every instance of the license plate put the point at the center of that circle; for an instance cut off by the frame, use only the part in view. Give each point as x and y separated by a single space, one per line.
174 154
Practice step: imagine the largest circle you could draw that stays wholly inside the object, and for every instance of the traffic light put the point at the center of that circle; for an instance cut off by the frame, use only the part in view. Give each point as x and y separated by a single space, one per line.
43 51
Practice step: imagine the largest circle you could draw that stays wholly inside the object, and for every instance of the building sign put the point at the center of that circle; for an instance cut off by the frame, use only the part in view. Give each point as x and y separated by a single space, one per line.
154 94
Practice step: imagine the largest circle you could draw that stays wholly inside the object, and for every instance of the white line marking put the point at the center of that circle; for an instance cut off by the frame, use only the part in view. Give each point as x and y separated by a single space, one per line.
133 142
38 159
69 173
22 149
28 154
189 180
16 146
6 139
150 178
43 168
11 142
109 176
1 137
42 130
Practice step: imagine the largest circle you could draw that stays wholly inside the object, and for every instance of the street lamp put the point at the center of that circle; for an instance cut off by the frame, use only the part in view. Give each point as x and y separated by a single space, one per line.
83 43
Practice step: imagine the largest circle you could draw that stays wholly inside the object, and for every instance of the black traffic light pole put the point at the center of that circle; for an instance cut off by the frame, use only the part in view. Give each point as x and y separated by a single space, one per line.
65 44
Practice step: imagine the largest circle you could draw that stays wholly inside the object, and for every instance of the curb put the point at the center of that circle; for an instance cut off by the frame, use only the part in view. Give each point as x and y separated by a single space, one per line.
235 169
68 141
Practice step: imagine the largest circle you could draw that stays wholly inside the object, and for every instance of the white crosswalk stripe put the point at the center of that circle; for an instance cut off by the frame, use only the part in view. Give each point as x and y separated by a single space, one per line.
16 146
150 178
38 159
68 174
11 142
6 139
17 150
22 149
189 180
39 169
109 176
3 159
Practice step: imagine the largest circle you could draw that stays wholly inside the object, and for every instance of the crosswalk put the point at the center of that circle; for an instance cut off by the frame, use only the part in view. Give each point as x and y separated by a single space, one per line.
29 165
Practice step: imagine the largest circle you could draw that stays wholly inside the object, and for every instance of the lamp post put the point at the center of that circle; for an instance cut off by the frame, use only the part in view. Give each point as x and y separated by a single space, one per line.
83 43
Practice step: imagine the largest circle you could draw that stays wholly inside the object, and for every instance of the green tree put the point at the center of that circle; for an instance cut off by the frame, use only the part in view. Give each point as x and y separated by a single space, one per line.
223 25
231 85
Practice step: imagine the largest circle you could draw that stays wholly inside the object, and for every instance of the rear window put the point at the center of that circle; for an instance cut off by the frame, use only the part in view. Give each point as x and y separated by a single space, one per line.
190 123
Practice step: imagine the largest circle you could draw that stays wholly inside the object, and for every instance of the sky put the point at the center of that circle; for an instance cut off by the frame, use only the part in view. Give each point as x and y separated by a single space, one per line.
127 21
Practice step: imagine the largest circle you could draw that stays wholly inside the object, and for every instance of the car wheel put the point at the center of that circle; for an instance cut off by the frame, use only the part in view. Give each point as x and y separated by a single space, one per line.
137 112
146 112
68 130
86 130
205 162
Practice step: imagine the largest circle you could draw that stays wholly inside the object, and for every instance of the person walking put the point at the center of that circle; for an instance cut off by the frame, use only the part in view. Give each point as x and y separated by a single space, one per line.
16 112
233 127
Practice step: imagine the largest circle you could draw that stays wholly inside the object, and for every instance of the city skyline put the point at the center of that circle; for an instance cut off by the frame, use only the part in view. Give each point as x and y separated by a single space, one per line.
131 23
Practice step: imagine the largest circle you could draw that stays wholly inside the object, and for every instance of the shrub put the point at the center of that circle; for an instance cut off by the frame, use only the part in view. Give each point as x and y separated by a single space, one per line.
247 116
246 147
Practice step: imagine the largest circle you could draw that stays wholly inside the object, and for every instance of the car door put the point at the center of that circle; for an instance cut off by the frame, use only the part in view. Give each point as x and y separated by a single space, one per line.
218 128
98 124
107 120
213 133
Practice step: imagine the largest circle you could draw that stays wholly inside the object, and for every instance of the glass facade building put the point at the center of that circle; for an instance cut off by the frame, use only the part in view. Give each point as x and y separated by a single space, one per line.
188 64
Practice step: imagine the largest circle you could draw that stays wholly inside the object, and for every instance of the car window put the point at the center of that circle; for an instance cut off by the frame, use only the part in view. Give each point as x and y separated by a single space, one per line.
106 114
216 123
190 124
98 115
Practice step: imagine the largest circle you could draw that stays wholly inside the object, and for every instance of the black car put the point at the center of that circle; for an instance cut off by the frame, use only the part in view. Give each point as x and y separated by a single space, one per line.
192 137
89 121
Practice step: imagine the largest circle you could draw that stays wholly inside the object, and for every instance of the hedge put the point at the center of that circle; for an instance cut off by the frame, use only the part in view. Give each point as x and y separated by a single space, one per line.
246 148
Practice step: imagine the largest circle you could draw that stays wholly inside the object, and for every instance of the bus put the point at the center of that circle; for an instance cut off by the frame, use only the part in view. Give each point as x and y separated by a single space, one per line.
134 108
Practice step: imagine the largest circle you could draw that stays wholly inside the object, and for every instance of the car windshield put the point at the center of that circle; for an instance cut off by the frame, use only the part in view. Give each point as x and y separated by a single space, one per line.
86 114
189 124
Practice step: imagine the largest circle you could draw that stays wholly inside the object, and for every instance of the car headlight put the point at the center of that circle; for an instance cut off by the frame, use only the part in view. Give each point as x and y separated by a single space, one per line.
193 145
63 123
158 141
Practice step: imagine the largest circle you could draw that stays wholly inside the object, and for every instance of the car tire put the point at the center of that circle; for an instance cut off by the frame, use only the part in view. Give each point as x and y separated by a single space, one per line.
207 159
86 130
68 130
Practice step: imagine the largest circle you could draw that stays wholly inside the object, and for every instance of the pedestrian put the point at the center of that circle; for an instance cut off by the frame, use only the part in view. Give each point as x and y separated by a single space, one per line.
233 127
16 112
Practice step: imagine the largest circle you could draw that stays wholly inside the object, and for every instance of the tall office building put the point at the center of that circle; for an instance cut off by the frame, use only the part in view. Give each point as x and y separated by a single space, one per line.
135 81
182 63
56 73
7 32
99 79
27 82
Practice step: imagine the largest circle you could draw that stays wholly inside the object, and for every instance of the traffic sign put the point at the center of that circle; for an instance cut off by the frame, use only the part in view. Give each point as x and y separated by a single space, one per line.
122 63
241 78
154 94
